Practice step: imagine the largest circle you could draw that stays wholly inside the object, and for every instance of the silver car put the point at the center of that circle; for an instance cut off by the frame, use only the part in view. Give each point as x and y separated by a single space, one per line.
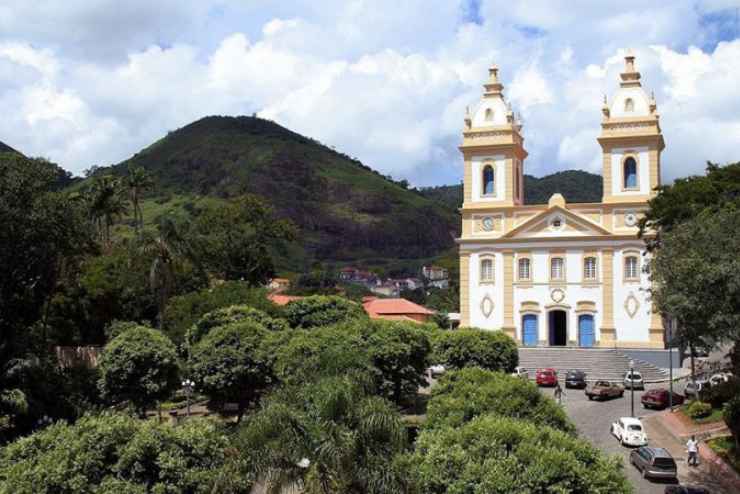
634 380
654 462
694 389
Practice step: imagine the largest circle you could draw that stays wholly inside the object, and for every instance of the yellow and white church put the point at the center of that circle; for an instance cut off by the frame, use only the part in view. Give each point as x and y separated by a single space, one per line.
559 274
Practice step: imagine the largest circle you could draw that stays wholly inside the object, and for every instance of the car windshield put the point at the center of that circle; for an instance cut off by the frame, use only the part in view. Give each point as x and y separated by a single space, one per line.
635 375
634 427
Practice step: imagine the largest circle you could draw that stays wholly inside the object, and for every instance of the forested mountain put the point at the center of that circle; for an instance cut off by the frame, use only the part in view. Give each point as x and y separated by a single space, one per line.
345 211
4 148
575 185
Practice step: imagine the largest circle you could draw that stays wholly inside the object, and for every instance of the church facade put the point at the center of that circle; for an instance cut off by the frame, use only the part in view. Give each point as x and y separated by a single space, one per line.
559 274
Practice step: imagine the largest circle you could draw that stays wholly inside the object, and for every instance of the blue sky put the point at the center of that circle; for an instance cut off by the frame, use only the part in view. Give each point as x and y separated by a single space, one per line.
90 82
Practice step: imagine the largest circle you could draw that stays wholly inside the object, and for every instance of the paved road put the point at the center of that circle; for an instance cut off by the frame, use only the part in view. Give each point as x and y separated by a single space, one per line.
593 420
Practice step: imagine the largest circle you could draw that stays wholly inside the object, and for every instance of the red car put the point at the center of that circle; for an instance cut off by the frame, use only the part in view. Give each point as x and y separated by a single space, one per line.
546 377
658 398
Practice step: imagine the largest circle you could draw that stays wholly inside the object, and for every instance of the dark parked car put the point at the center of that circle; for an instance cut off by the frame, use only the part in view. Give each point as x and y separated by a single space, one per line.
685 489
654 462
658 398
575 379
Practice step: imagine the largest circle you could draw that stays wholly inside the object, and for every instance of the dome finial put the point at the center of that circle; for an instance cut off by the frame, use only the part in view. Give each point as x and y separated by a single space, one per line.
493 86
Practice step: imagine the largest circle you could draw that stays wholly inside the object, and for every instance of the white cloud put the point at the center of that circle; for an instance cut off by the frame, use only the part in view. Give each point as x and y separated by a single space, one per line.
385 81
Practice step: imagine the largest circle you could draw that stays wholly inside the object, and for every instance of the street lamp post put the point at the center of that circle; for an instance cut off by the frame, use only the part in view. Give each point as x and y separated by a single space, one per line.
632 388
188 386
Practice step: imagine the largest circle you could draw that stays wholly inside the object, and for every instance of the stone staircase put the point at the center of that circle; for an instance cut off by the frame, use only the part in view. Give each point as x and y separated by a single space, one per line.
597 363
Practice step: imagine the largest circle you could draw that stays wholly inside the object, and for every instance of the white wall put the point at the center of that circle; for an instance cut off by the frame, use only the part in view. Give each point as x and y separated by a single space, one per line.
499 176
478 292
499 112
643 171
631 328
639 98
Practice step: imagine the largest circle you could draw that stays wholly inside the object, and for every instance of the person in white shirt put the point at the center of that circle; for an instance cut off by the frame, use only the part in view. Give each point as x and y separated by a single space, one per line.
693 448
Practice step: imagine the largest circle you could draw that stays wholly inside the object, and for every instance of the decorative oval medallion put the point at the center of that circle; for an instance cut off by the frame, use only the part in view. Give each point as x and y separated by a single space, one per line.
486 306
487 223
557 295
631 305
630 219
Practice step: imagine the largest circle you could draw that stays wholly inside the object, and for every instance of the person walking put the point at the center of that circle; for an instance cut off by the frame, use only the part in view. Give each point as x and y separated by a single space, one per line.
558 393
692 446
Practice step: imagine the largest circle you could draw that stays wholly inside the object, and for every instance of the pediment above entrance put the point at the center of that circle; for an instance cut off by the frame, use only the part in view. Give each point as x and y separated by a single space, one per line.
556 222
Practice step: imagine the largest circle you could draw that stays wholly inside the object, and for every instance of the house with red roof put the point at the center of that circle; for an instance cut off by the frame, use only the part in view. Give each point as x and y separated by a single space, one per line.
396 309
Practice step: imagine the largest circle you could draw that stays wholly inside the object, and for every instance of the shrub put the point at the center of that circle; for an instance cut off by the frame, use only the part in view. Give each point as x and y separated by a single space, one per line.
499 454
232 314
115 453
698 409
462 395
140 366
320 310
722 393
731 415
492 350
233 363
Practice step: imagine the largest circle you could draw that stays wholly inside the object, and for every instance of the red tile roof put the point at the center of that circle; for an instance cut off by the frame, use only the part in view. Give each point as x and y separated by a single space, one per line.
278 299
393 306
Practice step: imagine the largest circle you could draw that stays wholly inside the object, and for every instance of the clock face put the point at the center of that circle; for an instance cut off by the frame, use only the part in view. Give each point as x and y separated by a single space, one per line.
630 219
487 223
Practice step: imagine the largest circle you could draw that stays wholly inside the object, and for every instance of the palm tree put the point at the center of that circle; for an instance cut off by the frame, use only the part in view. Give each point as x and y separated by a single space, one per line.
106 203
167 247
137 181
325 437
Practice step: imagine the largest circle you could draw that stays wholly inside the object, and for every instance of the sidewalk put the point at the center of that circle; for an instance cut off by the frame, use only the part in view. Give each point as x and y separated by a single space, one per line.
666 430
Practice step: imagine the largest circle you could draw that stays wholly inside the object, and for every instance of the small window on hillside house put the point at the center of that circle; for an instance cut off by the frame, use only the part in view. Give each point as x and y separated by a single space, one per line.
556 268
488 180
630 173
486 270
629 105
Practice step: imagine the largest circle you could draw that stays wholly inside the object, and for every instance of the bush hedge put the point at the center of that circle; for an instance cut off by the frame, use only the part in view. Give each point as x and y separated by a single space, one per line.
698 409
462 395
472 347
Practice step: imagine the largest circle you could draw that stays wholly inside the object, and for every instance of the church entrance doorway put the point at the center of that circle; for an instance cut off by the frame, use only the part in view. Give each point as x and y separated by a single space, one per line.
558 323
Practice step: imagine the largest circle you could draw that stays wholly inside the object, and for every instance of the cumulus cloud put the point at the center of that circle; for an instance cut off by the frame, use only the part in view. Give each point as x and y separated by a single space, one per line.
384 81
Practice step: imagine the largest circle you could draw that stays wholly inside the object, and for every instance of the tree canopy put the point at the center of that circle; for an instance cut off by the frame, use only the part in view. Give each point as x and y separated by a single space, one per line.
319 310
471 347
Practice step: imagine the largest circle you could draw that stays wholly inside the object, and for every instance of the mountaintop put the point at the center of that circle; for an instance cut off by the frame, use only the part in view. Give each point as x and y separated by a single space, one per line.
4 148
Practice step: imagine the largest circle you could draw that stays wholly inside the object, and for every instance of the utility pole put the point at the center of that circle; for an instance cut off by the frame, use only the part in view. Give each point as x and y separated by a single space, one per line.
632 388
672 326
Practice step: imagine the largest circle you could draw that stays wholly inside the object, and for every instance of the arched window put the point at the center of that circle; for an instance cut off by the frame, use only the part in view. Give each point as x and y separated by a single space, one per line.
486 270
629 105
489 115
488 181
589 268
556 268
630 173
631 267
524 271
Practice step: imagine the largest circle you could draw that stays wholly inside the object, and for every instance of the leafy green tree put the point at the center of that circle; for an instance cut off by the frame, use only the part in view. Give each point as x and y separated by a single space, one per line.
168 248
183 311
688 197
116 453
472 347
462 395
325 437
495 454
319 310
236 240
696 277
731 414
233 363
233 314
137 181
41 232
140 366
400 351
106 201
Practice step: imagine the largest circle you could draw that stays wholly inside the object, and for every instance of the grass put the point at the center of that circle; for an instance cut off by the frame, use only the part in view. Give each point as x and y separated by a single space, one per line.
725 448
714 416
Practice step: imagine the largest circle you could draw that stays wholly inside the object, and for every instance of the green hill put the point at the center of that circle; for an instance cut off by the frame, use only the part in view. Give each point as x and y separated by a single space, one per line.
345 210
575 185
4 148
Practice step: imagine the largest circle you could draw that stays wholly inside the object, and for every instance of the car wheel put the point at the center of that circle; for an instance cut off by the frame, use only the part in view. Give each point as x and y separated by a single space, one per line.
590 398
621 394
644 473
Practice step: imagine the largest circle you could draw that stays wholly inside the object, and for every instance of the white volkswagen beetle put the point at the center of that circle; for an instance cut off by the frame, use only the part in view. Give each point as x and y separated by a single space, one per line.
629 431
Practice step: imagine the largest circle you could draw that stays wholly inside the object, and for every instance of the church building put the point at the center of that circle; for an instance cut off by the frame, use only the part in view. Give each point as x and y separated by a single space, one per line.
559 274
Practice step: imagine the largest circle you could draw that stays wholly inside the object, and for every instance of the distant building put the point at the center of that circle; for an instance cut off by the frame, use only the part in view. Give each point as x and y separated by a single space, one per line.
351 274
385 289
396 309
278 284
436 276
279 299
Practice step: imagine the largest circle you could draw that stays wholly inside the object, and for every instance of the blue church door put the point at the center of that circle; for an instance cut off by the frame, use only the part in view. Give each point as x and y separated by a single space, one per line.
529 330
586 330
